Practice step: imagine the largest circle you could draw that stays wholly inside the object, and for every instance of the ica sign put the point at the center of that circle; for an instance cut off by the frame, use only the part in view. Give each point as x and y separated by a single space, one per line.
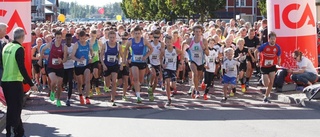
293 17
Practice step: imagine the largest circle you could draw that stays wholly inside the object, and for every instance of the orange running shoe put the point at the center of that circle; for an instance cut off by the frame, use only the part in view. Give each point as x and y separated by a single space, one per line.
205 97
243 88
88 101
203 86
81 100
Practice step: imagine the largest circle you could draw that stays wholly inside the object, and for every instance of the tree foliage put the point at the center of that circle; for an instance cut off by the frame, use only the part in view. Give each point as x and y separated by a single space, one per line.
263 7
170 9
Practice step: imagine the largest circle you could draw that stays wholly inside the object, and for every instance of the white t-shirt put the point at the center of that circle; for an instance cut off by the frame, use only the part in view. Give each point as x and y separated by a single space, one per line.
211 60
70 62
305 62
231 67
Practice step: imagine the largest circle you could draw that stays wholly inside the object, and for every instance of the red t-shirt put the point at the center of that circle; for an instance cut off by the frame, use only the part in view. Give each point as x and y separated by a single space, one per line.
269 54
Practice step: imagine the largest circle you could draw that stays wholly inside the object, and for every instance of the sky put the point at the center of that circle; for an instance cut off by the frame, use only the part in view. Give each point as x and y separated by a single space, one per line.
93 2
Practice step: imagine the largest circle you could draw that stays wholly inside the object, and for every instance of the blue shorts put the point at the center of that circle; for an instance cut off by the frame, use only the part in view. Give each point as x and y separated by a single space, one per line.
229 80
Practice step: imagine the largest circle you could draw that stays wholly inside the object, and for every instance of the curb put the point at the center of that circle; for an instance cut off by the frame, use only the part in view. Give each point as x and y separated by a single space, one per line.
299 101
3 118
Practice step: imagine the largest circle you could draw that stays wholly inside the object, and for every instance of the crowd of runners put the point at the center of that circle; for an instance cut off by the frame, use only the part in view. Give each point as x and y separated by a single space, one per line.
78 57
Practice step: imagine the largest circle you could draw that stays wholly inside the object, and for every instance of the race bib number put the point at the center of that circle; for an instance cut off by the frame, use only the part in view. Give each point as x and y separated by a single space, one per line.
231 69
170 60
82 63
268 62
55 61
111 58
138 57
196 55
154 57
211 60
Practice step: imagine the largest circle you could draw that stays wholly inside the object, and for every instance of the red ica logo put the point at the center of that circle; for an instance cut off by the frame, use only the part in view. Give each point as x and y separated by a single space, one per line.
307 16
15 19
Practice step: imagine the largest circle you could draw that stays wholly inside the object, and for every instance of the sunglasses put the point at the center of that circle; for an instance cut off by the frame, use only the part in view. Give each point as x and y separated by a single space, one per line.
124 38
156 37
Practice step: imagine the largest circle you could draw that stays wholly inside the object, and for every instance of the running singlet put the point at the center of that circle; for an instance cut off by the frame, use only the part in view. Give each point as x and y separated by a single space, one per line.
138 51
196 53
55 53
155 56
170 59
111 55
70 62
82 51
95 48
269 55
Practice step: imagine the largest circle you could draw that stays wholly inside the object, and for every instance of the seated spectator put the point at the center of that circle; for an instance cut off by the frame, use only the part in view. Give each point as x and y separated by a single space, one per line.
306 73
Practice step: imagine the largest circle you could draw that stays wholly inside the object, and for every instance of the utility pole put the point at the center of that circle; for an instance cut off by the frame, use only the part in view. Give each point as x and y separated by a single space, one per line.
234 8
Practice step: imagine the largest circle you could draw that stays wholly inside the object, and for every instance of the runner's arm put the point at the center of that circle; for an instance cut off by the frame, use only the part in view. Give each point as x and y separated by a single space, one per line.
147 43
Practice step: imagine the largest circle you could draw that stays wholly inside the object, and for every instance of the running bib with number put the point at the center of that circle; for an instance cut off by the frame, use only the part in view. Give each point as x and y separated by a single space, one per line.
231 69
268 62
211 60
55 61
170 60
82 63
111 58
138 57
154 57
196 55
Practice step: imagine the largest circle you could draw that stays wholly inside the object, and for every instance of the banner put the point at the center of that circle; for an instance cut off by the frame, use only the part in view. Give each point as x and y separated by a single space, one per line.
294 22
17 13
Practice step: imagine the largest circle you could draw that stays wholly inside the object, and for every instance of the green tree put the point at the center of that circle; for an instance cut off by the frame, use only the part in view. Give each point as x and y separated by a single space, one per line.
262 5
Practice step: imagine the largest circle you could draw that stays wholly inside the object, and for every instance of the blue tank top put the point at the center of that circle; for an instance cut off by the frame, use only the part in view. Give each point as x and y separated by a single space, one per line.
82 51
46 53
111 55
138 51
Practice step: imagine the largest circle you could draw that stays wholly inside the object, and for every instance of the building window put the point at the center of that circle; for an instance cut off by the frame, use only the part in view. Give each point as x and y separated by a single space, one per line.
241 3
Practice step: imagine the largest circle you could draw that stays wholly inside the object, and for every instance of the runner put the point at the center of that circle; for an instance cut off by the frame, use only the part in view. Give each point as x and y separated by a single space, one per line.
229 72
56 58
69 67
241 54
110 55
139 56
210 66
95 45
269 57
82 55
123 74
35 54
43 62
155 58
197 48
252 42
170 66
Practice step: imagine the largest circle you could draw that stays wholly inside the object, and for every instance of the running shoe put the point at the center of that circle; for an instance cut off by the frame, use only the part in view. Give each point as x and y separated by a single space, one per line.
197 94
205 97
106 89
52 95
150 94
243 88
88 101
163 88
90 93
266 100
124 98
139 100
224 99
168 103
81 100
190 90
58 103
231 94
98 91
113 103
68 102
203 86
150 89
